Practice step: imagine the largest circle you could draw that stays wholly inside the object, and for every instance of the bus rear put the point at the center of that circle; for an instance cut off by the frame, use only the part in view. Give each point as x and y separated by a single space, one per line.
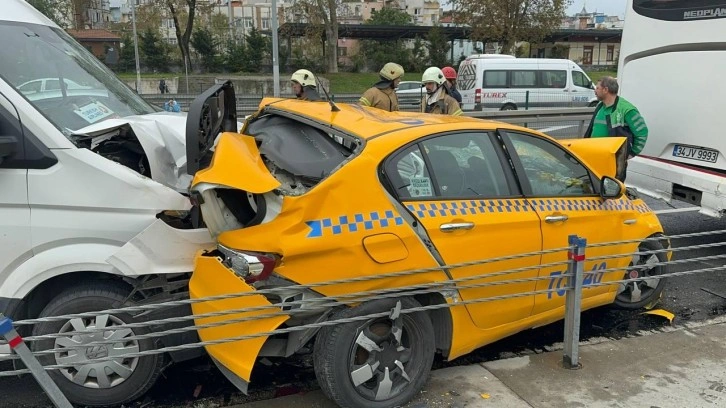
670 67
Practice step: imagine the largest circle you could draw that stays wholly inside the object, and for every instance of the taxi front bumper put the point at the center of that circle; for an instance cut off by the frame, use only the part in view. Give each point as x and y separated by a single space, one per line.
212 278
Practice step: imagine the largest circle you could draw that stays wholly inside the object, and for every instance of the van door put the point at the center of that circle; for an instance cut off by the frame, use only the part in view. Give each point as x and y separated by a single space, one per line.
15 244
554 86
582 92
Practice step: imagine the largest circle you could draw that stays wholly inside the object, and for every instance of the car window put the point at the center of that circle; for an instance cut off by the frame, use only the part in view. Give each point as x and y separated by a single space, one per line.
461 165
52 85
495 79
524 79
30 87
550 169
405 86
579 79
553 79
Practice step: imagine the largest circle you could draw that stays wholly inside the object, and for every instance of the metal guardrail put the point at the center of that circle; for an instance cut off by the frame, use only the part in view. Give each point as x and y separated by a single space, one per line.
557 122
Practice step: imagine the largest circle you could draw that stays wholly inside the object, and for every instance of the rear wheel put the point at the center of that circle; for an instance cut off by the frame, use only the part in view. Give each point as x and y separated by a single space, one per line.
508 107
88 382
647 288
376 363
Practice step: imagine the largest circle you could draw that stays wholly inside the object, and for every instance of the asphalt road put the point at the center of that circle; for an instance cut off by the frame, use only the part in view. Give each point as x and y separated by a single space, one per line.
198 383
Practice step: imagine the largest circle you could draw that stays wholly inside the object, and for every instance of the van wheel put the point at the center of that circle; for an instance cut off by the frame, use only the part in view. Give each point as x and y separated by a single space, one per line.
104 383
647 288
508 107
376 363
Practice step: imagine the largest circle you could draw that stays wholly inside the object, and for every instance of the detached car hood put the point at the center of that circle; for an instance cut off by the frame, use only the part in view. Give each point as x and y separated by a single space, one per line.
161 135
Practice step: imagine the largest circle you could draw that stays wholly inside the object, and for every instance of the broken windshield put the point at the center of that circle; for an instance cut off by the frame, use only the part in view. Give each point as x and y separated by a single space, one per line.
61 79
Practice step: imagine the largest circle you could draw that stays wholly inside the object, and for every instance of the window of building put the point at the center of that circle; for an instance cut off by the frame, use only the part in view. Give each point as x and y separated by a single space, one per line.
610 53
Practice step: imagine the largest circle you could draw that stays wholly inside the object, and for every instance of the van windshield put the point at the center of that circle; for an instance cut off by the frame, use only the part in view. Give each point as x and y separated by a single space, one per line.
61 79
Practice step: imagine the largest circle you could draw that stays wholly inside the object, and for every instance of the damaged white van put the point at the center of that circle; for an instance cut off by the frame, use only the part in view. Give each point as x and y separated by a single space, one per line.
93 209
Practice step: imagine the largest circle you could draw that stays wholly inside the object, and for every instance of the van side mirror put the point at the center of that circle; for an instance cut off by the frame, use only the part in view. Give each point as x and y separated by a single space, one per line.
8 146
611 188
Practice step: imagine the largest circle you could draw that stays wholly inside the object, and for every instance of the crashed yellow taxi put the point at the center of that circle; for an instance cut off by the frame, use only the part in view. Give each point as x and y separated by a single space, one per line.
311 192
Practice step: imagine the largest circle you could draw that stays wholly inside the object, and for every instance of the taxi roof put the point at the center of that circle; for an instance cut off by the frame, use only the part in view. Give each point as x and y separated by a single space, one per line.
366 122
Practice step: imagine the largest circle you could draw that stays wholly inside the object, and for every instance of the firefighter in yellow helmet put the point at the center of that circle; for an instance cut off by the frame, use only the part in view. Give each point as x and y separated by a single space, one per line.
304 86
437 99
382 95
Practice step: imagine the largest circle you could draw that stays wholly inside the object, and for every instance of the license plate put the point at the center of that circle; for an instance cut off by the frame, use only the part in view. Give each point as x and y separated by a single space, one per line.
695 153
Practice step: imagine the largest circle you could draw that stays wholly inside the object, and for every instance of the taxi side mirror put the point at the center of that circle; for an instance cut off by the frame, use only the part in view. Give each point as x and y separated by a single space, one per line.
611 188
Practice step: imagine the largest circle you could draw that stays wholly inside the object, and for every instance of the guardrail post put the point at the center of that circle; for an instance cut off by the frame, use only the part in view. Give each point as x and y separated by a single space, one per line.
21 349
581 129
526 101
573 301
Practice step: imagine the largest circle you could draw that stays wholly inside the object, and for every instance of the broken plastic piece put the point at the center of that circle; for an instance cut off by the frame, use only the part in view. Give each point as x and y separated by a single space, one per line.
485 396
660 312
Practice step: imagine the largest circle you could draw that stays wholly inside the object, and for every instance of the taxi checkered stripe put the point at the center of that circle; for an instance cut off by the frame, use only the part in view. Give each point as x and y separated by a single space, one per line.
353 223
384 219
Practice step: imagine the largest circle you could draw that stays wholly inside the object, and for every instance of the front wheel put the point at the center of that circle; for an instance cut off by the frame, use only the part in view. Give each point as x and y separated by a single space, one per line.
647 287
87 382
376 363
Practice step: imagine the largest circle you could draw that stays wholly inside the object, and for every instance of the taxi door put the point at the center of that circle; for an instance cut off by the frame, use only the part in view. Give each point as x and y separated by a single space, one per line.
564 193
471 209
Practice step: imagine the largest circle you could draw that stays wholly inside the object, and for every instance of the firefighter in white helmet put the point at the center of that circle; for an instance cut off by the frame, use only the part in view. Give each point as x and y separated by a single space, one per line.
382 95
437 99
304 85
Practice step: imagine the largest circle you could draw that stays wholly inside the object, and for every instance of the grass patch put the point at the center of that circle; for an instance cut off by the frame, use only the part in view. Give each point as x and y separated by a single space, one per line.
596 75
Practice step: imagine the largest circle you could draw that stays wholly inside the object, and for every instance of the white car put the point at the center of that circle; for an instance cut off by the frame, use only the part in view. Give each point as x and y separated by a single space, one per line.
94 210
49 84
410 93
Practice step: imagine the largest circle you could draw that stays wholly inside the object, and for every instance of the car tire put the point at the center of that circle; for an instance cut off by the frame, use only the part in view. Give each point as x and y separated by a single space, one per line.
640 293
508 107
352 376
125 379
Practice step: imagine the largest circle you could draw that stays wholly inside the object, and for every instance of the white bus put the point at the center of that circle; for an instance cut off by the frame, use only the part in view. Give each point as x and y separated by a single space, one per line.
671 67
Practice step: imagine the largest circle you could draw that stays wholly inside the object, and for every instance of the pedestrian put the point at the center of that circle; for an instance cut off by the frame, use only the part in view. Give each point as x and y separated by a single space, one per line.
162 86
450 75
304 85
615 116
436 99
172 106
382 95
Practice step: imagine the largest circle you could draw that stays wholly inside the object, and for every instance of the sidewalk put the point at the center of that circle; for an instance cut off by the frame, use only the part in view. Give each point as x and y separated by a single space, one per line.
684 366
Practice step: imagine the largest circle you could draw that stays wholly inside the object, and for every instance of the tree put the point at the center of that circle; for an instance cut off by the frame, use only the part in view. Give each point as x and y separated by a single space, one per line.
56 10
418 58
183 13
205 44
438 46
322 16
127 57
235 57
510 21
257 47
153 50
376 53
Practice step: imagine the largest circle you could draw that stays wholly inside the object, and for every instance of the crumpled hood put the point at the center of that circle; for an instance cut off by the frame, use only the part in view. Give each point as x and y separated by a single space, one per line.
162 136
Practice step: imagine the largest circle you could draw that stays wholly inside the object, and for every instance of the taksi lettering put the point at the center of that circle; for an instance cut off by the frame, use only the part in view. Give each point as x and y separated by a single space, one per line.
558 283
707 13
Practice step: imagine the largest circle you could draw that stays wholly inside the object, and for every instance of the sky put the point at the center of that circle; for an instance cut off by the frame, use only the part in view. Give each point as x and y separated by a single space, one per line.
609 7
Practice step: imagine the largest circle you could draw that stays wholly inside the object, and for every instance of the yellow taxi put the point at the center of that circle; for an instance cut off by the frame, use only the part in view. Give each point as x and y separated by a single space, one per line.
310 192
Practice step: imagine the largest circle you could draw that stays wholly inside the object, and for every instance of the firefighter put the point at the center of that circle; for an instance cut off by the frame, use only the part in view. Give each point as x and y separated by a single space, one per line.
382 95
437 100
450 74
304 86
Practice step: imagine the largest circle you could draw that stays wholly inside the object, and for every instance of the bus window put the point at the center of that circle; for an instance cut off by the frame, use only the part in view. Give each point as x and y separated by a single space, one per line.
579 79
524 79
495 79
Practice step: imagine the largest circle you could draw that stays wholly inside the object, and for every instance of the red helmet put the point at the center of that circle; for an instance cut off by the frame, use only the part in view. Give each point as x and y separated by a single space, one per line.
449 73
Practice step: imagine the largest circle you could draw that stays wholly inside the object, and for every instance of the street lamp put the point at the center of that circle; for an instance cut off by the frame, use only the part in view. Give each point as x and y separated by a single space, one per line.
275 59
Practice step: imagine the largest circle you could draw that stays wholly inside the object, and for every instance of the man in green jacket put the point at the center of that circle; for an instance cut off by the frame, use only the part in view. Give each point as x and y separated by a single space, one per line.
615 116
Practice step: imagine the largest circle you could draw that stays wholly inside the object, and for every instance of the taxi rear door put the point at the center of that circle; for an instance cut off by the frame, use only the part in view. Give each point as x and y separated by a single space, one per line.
457 186
565 195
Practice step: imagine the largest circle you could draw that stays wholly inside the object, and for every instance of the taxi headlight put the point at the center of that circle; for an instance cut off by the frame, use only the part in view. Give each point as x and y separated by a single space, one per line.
248 265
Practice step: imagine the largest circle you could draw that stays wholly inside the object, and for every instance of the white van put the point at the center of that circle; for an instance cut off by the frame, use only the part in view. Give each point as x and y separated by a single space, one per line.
494 81
93 207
